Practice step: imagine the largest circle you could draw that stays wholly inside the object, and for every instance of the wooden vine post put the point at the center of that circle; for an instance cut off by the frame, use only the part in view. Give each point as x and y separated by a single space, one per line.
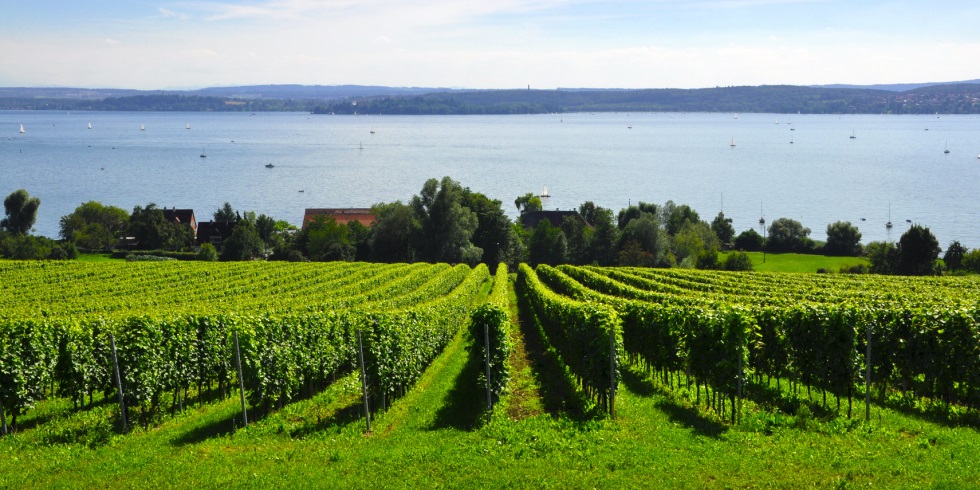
867 374
119 385
360 355
486 343
612 371
241 381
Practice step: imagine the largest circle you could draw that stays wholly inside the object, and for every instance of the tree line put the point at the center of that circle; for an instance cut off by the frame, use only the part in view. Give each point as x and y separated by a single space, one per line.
447 222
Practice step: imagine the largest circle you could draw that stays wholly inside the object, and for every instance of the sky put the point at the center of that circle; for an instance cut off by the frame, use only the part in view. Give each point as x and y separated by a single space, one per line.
546 44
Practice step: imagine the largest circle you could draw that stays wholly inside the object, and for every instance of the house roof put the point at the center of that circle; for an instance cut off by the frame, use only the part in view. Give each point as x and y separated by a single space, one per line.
531 219
342 215
185 216
214 231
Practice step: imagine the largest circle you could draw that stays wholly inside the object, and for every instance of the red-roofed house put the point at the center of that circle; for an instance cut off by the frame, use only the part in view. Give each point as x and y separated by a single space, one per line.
182 217
342 215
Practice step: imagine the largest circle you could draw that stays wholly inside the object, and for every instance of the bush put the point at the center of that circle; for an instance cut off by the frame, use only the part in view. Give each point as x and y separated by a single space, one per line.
207 253
854 269
738 261
750 241
971 261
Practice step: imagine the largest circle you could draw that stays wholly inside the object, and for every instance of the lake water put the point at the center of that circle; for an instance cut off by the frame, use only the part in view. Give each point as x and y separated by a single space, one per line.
823 176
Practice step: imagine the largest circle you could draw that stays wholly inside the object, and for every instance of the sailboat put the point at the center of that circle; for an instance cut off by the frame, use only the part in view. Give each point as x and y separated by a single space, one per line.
947 147
372 129
22 129
360 146
545 193
204 154
853 136
733 143
188 126
90 125
142 127
791 138
889 223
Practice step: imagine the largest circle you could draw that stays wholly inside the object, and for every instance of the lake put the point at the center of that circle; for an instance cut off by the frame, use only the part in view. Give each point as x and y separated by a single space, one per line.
804 167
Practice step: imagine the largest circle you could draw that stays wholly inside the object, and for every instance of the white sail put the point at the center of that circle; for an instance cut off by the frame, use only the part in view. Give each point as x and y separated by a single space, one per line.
22 129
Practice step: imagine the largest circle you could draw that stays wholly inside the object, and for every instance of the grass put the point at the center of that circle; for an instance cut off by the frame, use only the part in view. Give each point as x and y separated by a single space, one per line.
95 257
437 435
791 262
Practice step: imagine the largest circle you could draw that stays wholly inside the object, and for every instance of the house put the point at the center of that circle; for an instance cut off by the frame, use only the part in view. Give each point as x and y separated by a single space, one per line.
342 215
214 232
181 216
531 219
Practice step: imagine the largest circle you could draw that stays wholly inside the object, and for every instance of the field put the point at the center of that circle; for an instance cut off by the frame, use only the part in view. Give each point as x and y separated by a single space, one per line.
790 262
551 428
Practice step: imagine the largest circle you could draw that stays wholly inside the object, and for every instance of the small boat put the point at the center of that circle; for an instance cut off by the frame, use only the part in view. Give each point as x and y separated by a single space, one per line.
545 193
853 136
733 143
269 165
889 223
22 129
90 125
204 154
360 146
188 126
372 129
142 127
791 138
947 147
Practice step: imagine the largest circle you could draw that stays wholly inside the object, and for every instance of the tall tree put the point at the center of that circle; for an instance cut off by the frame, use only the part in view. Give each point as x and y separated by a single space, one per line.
225 213
21 210
953 258
723 228
323 239
446 225
528 202
605 237
392 235
153 231
843 238
94 226
918 250
673 216
494 231
788 235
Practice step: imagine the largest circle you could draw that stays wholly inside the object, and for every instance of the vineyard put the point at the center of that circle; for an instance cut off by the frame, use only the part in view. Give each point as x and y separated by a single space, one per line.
837 334
676 377
175 326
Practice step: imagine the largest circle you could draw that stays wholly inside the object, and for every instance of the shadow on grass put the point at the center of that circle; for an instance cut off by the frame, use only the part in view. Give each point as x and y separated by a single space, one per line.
353 413
558 394
465 404
220 427
641 384
931 411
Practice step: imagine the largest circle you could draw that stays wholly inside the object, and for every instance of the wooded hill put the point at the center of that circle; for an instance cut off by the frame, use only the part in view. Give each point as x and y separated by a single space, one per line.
961 98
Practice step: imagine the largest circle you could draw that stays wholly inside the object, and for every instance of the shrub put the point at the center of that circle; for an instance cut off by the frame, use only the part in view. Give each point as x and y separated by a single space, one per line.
738 261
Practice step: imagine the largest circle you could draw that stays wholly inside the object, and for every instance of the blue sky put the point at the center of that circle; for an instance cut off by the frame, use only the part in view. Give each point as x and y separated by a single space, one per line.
486 43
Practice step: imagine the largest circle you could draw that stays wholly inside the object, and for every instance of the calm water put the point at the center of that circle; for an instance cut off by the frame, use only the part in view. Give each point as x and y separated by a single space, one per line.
821 177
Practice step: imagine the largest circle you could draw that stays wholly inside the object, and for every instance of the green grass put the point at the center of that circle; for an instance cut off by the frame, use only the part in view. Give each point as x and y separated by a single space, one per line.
789 262
94 257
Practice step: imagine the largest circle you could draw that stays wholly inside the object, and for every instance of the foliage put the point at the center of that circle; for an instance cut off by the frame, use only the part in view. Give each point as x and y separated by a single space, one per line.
633 212
843 238
918 250
738 261
723 228
749 241
207 253
527 203
696 242
953 258
244 243
21 211
788 235
491 321
94 226
883 257
324 240
494 232
547 244
27 247
151 230
392 234
674 216
650 238
446 226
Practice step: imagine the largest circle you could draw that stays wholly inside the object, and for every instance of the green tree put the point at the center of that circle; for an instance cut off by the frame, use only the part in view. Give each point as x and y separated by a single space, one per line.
494 231
153 231
723 228
971 261
673 216
391 237
207 253
577 236
589 211
605 237
953 258
527 203
21 210
547 245
645 231
883 257
225 213
788 235
738 261
323 239
843 238
94 226
695 245
918 250
446 225
633 212
749 241
244 243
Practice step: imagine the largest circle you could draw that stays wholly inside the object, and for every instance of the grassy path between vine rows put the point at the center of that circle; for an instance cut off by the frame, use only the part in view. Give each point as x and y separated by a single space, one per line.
437 435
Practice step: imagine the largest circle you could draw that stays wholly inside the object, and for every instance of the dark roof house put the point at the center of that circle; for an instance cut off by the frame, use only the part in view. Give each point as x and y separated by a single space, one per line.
214 232
342 215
